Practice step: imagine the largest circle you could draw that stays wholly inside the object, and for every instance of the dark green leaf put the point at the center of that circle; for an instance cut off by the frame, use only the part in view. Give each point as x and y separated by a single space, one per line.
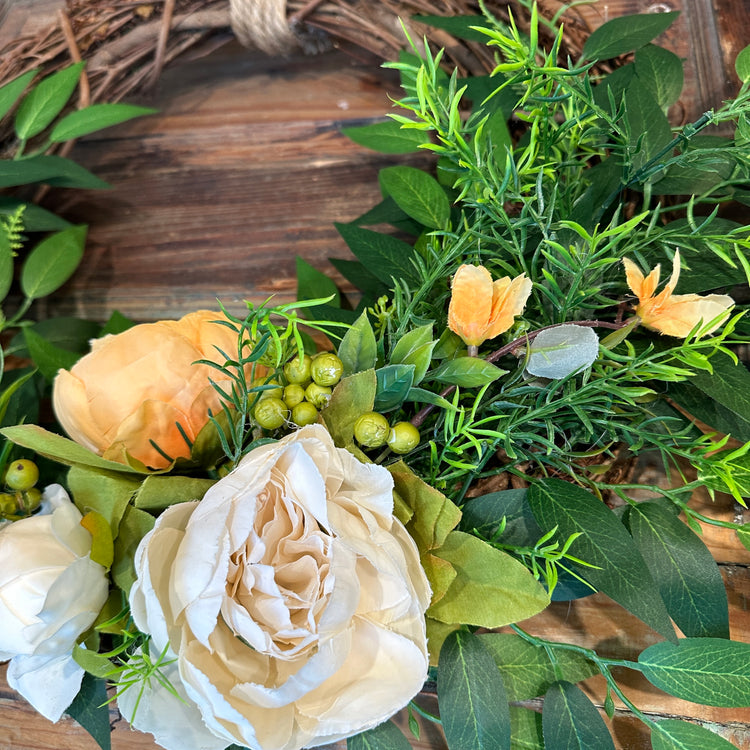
394 382
54 170
673 734
117 323
467 372
649 128
385 257
314 284
660 71
35 218
626 33
570 721
478 88
388 212
387 736
418 194
621 572
10 92
473 706
387 137
483 515
91 710
710 671
19 391
45 101
525 729
358 349
357 274
459 26
7 258
498 138
687 575
742 64
95 117
52 262
613 86
604 180
48 357
73 334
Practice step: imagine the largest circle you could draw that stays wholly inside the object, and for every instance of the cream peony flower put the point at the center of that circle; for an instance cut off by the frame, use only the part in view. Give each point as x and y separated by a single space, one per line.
50 593
291 598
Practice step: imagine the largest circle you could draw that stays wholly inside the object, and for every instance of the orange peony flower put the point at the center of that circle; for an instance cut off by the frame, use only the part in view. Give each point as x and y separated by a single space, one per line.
481 308
672 314
137 386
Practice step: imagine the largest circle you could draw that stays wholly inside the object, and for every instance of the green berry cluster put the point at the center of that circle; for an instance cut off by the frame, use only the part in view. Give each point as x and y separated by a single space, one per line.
371 430
21 497
306 388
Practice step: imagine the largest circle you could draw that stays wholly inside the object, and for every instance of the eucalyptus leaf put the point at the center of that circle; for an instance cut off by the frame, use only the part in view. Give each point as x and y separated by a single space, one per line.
673 734
418 194
563 350
387 137
625 34
52 262
95 117
467 372
394 383
385 736
90 709
570 721
54 170
10 92
358 348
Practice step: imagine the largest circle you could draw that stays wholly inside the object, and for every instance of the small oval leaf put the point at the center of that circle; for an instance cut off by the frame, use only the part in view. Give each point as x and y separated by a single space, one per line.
52 262
562 351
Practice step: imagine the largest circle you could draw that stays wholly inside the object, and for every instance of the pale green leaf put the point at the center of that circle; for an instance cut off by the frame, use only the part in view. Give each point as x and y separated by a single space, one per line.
563 350
353 396
742 64
134 526
525 729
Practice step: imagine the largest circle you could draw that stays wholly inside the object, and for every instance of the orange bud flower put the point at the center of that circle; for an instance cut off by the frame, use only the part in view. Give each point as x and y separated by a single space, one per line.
481 308
668 313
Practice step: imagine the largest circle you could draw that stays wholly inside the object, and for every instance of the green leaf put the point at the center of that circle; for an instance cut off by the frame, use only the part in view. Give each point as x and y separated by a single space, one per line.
625 34
384 256
90 709
742 64
415 348
525 729
73 334
358 349
528 671
387 137
314 284
117 323
482 515
35 218
620 571
10 92
660 71
158 492
394 382
473 706
709 671
45 101
54 170
418 194
570 720
134 526
687 575
459 26
649 128
52 262
14 387
94 663
673 734
357 274
7 262
491 589
386 736
423 396
353 396
95 117
48 357
743 534
563 350
467 372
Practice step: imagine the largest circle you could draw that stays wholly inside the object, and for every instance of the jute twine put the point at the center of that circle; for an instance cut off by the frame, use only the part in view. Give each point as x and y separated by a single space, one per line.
262 24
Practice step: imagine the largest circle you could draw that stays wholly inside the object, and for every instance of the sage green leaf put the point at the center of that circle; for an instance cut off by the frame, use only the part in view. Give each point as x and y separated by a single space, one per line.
134 526
473 706
673 734
384 256
52 262
648 126
158 492
491 589
10 92
353 396
570 721
620 570
525 729
35 218
415 348
563 350
358 350
387 137
45 101
90 709
625 34
742 64
54 170
394 383
660 71
467 372
386 736
688 577
709 671
48 358
59 448
418 194
95 117
527 670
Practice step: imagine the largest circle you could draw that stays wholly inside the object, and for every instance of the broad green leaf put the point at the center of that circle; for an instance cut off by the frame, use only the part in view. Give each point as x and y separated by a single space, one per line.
570 721
386 736
491 589
358 349
158 492
10 92
384 256
687 575
353 396
479 88
525 729
54 170
35 218
527 670
695 173
45 101
660 71
467 372
649 128
388 212
387 137
709 671
604 180
52 262
90 709
742 64
673 734
563 350
418 194
625 34
95 117
394 383
473 706
357 274
48 358
134 526
620 571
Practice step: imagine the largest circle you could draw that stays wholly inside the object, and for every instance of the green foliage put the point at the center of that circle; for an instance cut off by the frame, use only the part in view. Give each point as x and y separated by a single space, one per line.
91 711
570 721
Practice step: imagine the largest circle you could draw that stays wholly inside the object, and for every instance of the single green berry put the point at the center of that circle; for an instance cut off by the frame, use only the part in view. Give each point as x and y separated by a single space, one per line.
403 437
271 389
294 394
371 429
21 474
31 499
8 504
318 395
298 370
304 413
270 413
326 369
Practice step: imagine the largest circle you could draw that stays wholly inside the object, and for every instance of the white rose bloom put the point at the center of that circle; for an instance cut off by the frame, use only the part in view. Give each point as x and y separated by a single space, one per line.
290 596
50 593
